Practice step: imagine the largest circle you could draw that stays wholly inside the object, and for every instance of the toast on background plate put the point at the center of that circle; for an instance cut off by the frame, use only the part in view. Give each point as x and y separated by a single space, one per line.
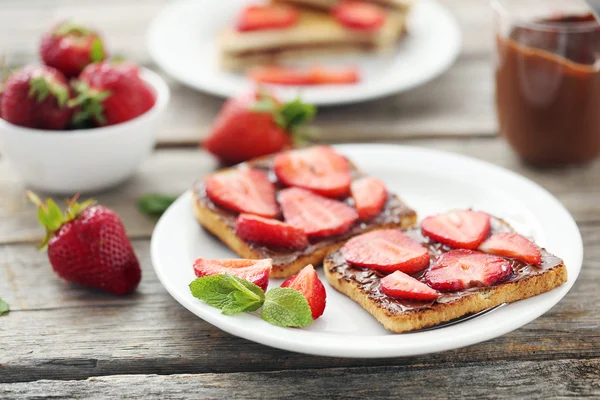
315 33
441 279
296 223
400 6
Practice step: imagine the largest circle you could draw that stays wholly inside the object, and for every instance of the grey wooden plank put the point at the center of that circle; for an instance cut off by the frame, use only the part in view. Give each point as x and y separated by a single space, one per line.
174 170
60 331
498 380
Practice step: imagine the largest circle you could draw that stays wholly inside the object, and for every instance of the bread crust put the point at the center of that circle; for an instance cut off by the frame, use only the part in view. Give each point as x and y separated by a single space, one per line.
441 312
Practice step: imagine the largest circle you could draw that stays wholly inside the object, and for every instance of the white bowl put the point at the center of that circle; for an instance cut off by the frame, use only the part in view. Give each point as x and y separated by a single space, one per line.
84 160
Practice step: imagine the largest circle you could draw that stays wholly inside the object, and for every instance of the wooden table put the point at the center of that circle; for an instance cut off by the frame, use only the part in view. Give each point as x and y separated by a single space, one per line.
70 342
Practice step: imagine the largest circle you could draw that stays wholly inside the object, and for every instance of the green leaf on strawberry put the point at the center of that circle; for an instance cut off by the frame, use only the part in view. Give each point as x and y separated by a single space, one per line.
89 102
42 86
97 50
286 307
4 307
230 294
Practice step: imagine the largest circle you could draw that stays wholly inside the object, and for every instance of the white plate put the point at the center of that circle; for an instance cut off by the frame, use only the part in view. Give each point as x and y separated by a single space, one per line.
431 182
182 40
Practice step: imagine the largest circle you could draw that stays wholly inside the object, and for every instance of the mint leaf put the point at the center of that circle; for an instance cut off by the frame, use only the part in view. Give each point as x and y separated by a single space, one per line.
97 50
286 307
4 307
229 293
155 205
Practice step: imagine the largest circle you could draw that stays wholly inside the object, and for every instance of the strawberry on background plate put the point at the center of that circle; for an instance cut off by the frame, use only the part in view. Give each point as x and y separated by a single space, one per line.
271 16
402 286
369 195
308 283
318 169
254 271
316 215
512 245
386 250
243 190
361 15
109 93
270 232
69 47
88 245
463 269
462 229
37 97
256 124
315 75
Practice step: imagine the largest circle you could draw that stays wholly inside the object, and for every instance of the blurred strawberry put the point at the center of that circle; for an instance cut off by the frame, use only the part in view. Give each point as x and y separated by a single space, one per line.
69 47
361 15
315 75
36 97
110 93
88 245
271 16
255 125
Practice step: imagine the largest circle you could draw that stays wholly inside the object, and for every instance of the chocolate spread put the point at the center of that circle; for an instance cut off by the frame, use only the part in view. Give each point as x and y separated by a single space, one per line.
548 90
391 215
368 279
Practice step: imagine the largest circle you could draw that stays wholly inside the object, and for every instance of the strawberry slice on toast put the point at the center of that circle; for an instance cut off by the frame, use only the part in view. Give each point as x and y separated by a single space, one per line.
459 229
369 195
270 16
270 232
512 245
402 286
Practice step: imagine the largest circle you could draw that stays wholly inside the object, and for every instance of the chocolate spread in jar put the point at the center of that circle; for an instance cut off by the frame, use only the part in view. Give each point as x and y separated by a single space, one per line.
548 90
368 280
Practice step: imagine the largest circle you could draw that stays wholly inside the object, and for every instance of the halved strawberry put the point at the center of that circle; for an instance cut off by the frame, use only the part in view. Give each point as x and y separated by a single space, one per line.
308 283
512 245
316 75
370 195
255 271
462 269
319 169
463 229
272 16
400 285
317 216
387 250
270 232
243 190
359 14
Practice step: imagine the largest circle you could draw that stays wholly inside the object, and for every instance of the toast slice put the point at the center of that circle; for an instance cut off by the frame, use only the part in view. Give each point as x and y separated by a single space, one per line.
316 34
400 315
221 223
400 6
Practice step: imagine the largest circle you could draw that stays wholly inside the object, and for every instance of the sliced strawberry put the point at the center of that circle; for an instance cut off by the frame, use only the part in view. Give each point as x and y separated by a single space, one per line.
359 15
512 245
273 16
370 195
308 283
270 232
319 169
462 269
255 271
320 75
316 75
386 250
243 190
463 229
400 285
317 216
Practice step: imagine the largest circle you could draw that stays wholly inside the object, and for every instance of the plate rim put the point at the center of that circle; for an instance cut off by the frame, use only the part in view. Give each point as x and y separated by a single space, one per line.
383 348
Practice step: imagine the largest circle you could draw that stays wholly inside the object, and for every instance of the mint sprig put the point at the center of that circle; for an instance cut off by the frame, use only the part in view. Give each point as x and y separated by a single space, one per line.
280 306
4 307
155 205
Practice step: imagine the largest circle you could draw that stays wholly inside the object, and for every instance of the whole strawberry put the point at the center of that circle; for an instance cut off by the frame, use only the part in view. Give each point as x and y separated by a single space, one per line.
37 97
88 245
255 125
69 47
111 93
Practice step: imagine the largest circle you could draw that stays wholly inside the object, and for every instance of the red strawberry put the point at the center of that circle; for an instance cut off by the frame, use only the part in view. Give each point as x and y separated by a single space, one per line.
359 15
255 125
69 47
88 245
387 250
400 285
463 229
272 16
514 246
319 169
270 232
308 283
111 93
462 269
36 97
317 216
243 190
255 271
316 75
370 195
